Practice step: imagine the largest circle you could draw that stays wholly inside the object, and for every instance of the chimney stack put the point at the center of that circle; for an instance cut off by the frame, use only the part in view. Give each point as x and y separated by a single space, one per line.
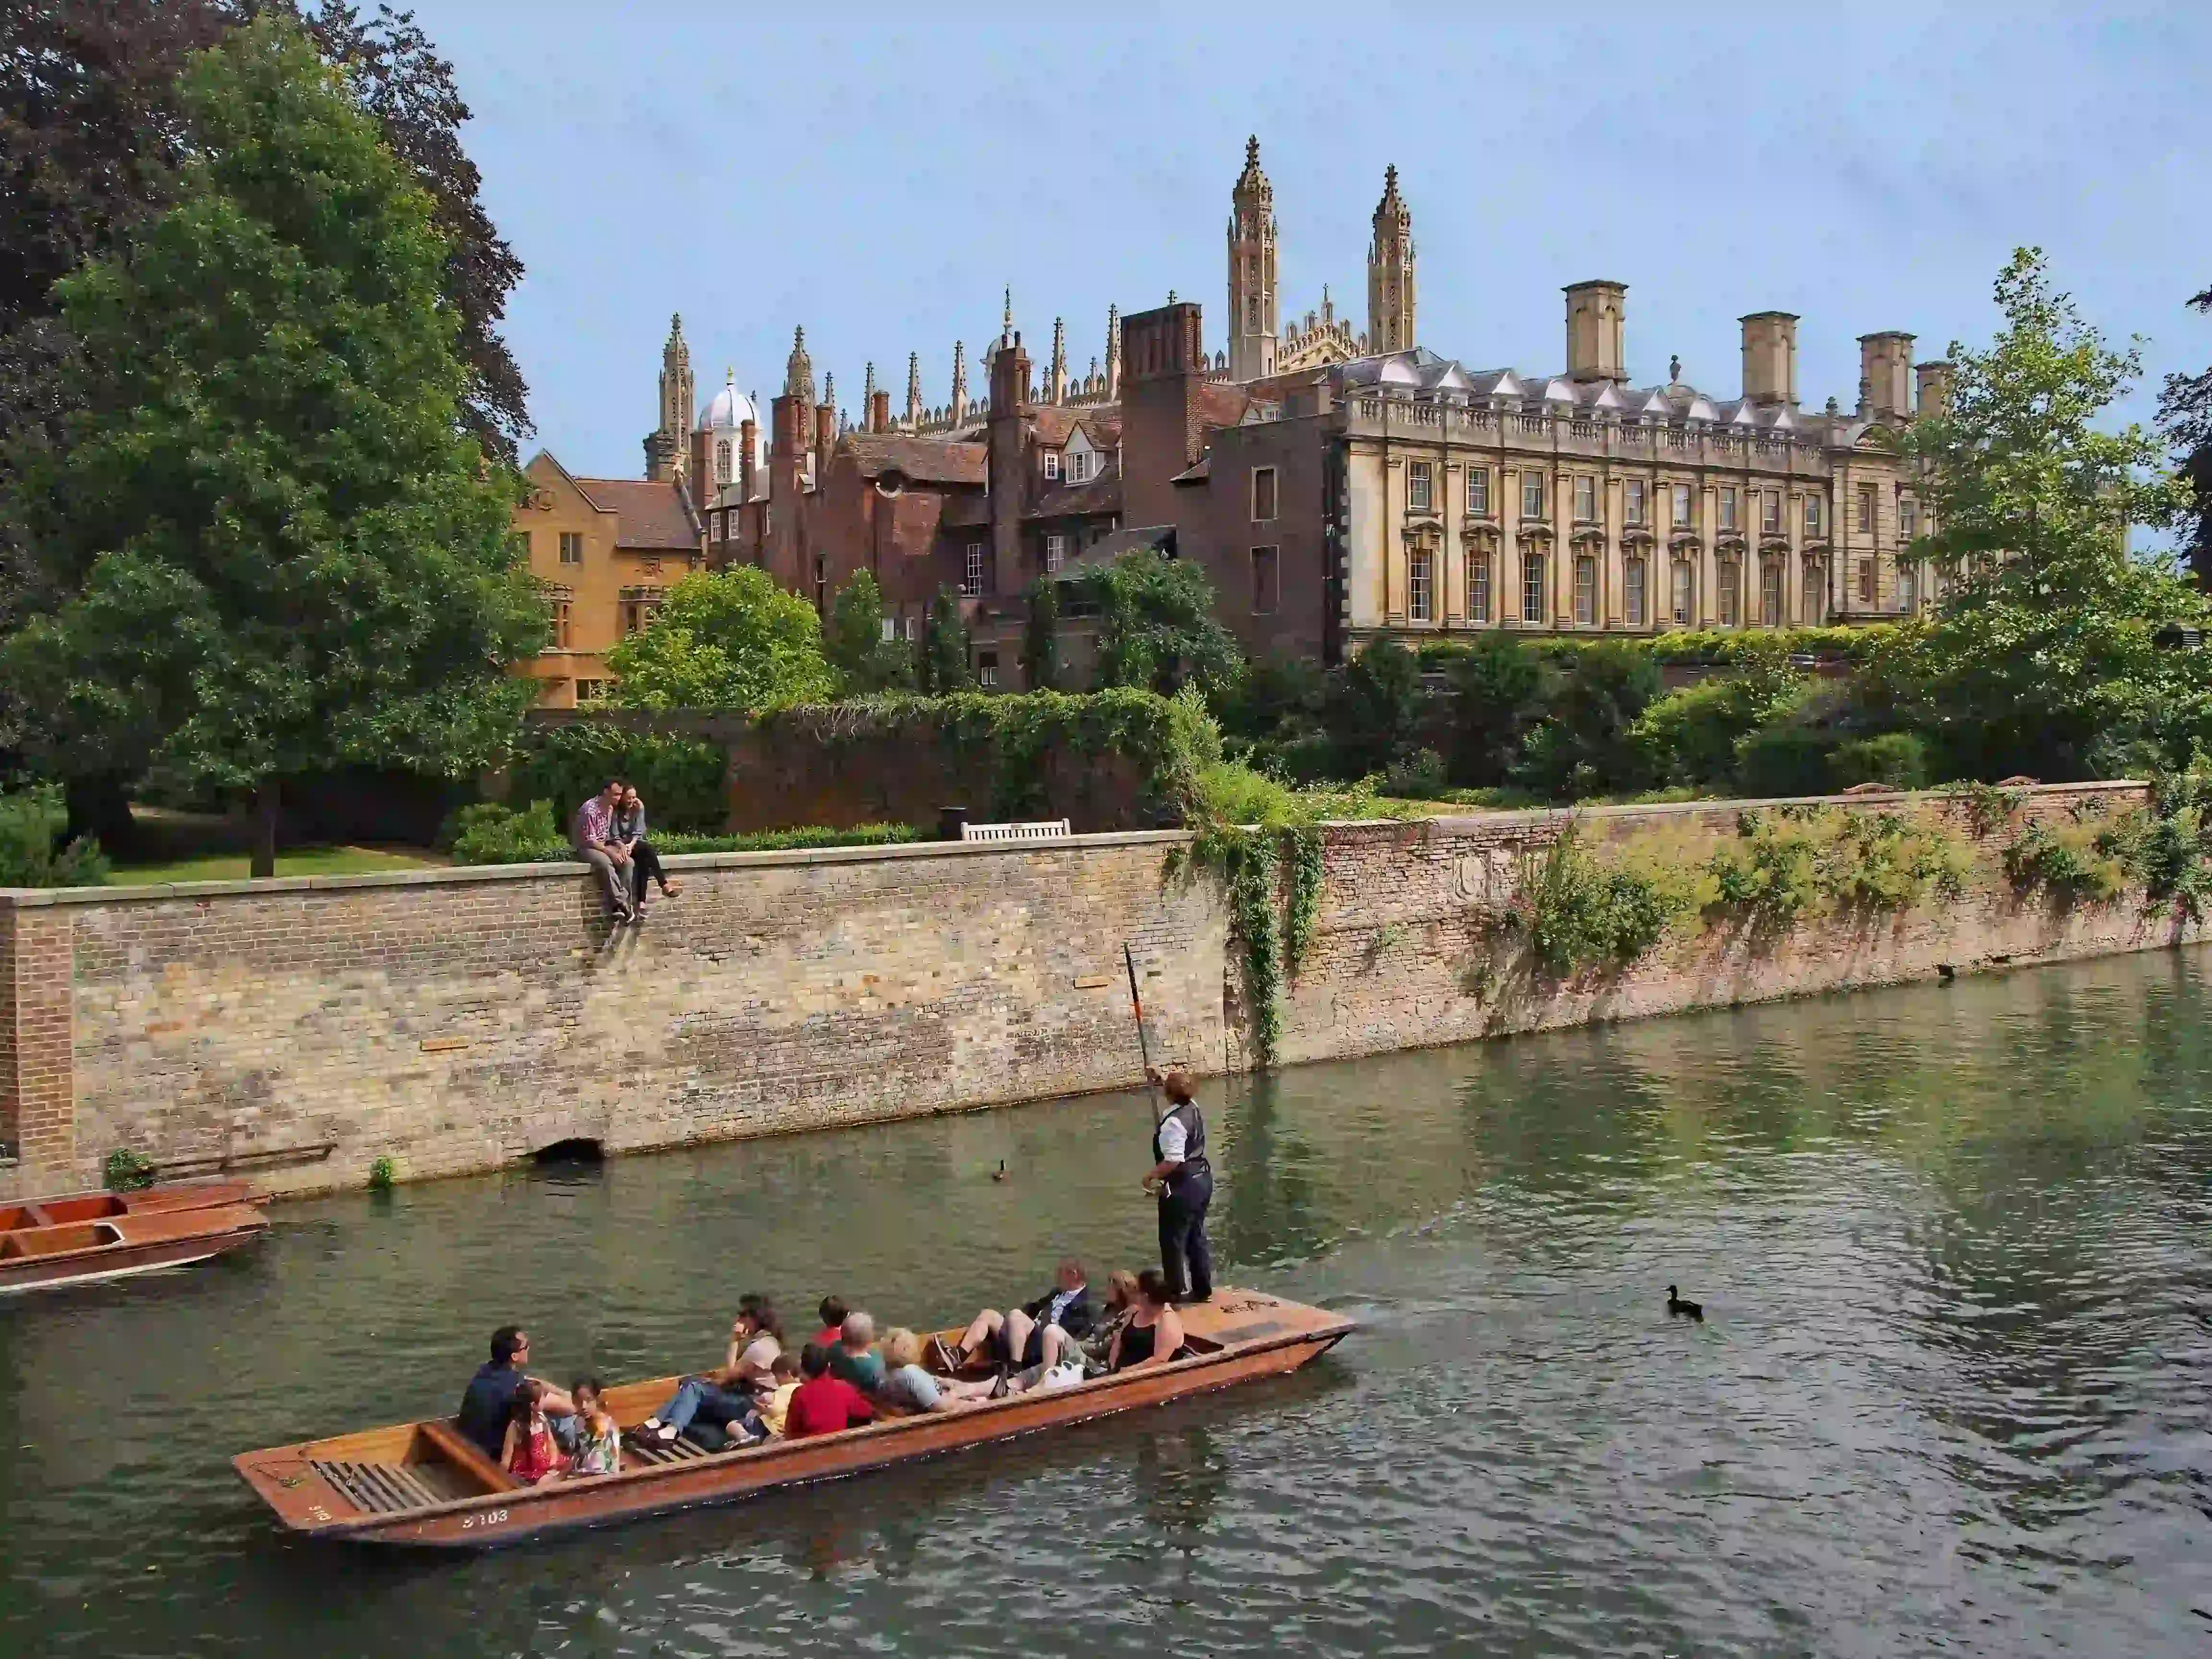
1886 365
1770 357
1932 388
1597 330
879 411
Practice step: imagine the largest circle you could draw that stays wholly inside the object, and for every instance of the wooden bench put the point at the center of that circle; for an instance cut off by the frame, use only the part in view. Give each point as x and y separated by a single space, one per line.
463 1453
1055 829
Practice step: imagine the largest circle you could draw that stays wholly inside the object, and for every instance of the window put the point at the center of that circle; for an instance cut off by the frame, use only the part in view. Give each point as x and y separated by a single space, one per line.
722 462
971 570
1905 588
1813 595
1812 515
1585 592
1052 464
637 614
913 627
1908 518
1419 496
1531 494
1532 588
1865 525
1770 516
1681 508
1478 586
987 669
1728 508
768 521
1585 501
560 613
1082 465
1727 586
1055 554
891 629
590 690
1632 505
1478 490
1263 494
1266 581
1685 590
1632 592
1421 586
1770 593
1866 581
572 547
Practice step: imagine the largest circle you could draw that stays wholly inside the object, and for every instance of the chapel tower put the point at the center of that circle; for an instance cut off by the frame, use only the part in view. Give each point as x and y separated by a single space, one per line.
1390 271
665 446
1252 299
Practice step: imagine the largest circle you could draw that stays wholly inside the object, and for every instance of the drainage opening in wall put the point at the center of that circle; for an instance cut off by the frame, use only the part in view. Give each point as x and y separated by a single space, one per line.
582 1149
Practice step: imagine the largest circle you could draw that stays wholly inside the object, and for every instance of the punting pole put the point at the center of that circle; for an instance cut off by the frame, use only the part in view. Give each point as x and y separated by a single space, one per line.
1137 1007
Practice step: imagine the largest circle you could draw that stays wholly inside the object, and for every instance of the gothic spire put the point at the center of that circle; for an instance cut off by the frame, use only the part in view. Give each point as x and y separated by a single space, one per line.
913 388
959 410
799 372
1006 323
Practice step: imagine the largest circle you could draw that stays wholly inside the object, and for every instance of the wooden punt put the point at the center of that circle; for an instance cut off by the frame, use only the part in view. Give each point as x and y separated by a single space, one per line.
425 1485
76 1238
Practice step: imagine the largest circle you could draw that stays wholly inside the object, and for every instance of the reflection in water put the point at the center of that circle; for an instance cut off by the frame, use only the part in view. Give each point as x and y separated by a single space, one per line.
1952 1243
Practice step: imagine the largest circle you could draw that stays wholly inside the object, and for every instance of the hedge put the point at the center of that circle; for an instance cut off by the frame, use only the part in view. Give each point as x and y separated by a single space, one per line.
680 778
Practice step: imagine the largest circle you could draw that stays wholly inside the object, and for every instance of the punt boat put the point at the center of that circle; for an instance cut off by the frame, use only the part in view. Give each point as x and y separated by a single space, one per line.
79 1237
426 1485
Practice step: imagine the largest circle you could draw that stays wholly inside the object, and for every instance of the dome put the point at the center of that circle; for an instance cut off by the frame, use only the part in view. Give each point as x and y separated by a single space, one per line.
729 409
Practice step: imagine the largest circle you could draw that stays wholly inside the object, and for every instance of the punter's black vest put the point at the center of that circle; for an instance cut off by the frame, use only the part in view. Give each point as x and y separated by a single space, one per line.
1193 1133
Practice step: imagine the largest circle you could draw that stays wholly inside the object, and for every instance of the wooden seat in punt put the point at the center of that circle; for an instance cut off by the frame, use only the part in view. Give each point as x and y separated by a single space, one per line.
78 1238
425 1485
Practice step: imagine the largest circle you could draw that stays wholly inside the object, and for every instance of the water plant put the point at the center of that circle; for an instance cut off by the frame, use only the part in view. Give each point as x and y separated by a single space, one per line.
381 1173
127 1171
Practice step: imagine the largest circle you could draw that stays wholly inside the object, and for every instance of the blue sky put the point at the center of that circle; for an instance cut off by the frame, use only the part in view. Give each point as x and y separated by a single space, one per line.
880 174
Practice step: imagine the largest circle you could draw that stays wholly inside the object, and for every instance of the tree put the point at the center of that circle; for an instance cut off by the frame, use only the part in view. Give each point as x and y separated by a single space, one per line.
1157 627
942 665
2044 655
1498 691
272 548
1587 745
1374 708
1041 637
1692 736
731 639
863 657
2185 412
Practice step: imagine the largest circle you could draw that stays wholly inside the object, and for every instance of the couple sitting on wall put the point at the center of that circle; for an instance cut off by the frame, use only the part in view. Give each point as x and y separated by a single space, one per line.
609 834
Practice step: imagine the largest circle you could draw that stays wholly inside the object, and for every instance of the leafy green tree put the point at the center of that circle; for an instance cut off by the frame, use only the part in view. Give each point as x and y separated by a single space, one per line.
1374 708
1498 691
2044 655
942 665
863 659
273 549
1041 638
1156 624
1689 736
729 639
2185 414
1587 744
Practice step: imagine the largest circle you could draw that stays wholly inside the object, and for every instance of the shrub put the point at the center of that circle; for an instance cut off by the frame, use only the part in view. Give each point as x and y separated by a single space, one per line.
2069 863
126 1171
1418 776
1899 759
381 1173
1581 913
1800 861
487 833
1586 746
1374 707
1499 689
1784 759
682 780
1692 736
31 824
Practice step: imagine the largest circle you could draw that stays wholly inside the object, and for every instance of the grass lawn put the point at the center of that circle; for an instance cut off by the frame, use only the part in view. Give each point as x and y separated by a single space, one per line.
296 861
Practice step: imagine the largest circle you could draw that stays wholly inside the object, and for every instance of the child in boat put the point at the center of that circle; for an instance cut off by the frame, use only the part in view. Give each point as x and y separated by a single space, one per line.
598 1438
530 1452
825 1404
832 1311
777 1402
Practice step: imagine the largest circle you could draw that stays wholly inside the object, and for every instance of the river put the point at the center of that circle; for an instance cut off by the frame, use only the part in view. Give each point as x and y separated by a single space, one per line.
1950 1392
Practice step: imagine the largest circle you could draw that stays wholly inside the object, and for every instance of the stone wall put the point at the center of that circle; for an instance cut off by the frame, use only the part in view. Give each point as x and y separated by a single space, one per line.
457 1020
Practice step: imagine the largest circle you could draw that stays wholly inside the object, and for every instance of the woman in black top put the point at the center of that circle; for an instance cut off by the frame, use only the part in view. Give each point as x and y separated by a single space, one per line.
629 831
1153 1335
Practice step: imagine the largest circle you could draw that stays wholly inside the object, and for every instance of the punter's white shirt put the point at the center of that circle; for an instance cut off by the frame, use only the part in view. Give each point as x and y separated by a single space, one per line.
1172 1137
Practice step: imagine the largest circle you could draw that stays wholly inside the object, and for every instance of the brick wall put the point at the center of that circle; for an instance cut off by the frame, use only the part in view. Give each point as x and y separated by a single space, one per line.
457 1020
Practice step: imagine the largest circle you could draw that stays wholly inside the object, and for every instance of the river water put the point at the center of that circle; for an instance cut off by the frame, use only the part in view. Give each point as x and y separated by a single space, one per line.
1950 1392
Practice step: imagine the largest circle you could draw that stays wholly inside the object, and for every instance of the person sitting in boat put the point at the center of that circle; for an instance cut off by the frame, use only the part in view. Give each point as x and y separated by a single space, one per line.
832 1311
528 1452
599 1438
487 1403
908 1386
722 1397
824 1404
854 1358
1016 1337
1153 1335
776 1404
1062 1348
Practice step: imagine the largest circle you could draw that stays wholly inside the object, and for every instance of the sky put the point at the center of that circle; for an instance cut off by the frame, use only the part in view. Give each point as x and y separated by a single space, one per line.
879 175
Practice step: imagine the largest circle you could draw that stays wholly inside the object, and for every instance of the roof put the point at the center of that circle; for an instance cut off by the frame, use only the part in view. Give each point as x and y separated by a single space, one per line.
1146 538
1100 494
1222 403
924 460
648 512
1056 425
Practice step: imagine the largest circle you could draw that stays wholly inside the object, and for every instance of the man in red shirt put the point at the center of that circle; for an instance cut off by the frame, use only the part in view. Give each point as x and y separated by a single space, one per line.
824 1404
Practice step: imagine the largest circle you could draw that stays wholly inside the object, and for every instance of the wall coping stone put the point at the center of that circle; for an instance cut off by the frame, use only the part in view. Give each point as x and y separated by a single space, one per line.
22 898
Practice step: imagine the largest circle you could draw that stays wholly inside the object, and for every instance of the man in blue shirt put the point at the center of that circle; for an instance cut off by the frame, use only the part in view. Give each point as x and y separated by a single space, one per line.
489 1401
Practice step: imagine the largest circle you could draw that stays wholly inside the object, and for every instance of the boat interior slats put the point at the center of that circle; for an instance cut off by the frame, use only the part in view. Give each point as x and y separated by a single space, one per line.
636 1451
376 1488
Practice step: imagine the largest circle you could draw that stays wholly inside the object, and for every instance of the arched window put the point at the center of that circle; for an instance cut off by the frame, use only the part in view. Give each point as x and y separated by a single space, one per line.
1632 592
1477 588
1728 585
1770 593
1686 593
1421 586
722 462
1585 592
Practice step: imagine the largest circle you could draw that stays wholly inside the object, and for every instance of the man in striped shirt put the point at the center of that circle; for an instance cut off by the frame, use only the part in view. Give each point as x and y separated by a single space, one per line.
594 835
